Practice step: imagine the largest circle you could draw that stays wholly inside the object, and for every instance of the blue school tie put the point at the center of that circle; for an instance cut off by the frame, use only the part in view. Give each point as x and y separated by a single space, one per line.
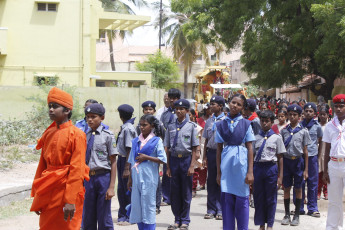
266 136
292 132
178 129
89 147
309 125
216 119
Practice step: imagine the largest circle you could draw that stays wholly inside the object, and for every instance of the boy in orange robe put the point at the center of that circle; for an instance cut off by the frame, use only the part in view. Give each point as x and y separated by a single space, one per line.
58 189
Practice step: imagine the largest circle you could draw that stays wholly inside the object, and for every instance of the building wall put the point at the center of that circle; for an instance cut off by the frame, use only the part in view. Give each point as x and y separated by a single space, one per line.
41 42
14 105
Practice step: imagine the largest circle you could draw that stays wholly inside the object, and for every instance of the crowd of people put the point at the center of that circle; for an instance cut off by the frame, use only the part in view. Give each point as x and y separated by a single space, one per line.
241 150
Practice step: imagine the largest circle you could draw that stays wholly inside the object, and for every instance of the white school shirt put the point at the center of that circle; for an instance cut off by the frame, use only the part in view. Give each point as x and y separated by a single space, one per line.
335 135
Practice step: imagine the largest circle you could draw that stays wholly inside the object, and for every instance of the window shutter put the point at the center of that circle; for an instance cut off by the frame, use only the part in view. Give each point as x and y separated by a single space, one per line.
41 6
51 7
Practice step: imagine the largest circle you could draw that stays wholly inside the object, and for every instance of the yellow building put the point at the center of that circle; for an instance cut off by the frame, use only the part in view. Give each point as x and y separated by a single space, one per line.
55 40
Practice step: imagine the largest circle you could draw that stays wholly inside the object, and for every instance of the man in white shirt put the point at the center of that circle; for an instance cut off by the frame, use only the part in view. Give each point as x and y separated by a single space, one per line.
164 108
334 164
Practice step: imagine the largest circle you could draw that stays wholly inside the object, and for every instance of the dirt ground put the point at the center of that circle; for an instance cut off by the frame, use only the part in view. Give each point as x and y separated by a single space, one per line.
17 215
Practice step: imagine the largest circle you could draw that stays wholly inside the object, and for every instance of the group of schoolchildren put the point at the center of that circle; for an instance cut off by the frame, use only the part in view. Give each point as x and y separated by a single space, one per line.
244 147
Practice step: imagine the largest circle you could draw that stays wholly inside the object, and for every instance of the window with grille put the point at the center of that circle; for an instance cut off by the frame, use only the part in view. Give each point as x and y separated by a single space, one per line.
47 7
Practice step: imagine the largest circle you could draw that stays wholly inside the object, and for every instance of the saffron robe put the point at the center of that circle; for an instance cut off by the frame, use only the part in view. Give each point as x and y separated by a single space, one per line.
59 176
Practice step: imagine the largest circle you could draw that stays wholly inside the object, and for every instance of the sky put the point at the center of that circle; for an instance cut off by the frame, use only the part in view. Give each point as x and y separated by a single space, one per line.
145 35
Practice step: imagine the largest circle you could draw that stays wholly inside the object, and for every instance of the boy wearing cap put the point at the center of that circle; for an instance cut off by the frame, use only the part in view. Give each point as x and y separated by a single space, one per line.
181 143
124 145
250 114
214 208
82 124
269 149
101 159
295 170
315 133
167 118
58 189
334 163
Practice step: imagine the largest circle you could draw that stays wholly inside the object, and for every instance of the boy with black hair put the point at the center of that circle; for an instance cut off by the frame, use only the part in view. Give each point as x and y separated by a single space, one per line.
101 159
167 118
334 164
269 149
295 170
124 145
214 208
250 114
181 143
315 132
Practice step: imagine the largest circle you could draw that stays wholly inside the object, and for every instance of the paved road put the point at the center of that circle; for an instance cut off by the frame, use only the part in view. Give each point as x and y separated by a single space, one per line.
30 221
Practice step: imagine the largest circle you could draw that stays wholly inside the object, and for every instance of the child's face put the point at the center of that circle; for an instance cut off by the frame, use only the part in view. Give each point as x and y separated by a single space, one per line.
145 127
309 113
339 110
323 116
192 117
302 104
294 117
266 124
172 101
281 118
264 107
273 108
236 106
215 107
181 113
94 120
149 110
57 113
247 113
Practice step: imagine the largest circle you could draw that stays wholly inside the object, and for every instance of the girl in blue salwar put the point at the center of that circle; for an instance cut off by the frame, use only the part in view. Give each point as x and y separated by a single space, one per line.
234 136
146 154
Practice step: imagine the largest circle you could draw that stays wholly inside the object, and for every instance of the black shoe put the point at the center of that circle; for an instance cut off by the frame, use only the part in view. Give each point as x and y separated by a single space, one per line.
158 211
286 220
295 221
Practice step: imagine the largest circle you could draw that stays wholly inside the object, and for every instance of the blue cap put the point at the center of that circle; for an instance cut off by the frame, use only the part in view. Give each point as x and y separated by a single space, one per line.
182 103
251 104
149 104
294 108
310 105
126 109
95 108
218 99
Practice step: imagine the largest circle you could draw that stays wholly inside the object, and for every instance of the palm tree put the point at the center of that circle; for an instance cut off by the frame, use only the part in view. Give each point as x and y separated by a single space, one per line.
184 51
119 7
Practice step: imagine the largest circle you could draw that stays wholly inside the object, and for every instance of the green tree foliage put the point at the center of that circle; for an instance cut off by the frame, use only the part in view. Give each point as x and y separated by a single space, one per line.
281 40
164 70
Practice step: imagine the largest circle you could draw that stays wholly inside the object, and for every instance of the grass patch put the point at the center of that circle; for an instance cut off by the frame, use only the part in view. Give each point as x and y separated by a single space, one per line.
9 155
16 208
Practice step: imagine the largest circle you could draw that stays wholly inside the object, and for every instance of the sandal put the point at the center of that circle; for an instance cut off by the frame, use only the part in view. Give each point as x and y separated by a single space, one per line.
184 227
173 226
315 214
219 217
208 216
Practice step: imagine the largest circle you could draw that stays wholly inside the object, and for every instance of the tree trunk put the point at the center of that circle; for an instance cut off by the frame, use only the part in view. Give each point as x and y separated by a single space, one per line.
185 81
326 89
111 50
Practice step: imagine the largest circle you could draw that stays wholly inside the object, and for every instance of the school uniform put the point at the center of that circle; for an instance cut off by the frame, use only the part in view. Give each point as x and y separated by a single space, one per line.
124 140
97 210
335 135
159 188
267 146
234 133
213 189
145 179
315 132
180 138
293 166
167 118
